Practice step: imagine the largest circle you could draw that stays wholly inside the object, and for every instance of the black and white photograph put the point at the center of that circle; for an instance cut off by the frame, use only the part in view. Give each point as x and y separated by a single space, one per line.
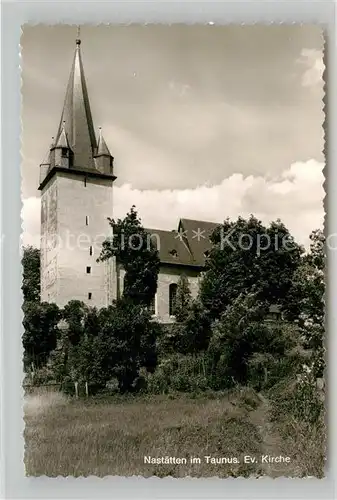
173 250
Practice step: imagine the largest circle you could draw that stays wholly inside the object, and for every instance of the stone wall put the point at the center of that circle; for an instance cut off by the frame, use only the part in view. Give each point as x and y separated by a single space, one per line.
166 276
74 224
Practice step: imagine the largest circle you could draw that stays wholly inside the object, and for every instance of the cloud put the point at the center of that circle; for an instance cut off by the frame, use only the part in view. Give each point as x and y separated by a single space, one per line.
30 215
204 101
312 59
296 197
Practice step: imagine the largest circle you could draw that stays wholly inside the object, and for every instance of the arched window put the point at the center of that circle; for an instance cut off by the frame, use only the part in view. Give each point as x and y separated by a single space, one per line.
172 298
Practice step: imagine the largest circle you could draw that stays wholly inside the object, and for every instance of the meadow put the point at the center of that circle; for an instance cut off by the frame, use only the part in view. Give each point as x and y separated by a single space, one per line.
111 436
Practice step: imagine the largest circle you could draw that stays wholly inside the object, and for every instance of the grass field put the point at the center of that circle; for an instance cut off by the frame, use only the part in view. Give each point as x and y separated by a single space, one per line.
112 437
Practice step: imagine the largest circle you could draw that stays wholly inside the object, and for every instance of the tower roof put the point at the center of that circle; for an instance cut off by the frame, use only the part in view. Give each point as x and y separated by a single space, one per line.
76 120
62 141
76 131
102 148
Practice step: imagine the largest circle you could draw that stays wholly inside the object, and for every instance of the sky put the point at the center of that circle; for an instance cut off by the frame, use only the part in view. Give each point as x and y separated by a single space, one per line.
204 122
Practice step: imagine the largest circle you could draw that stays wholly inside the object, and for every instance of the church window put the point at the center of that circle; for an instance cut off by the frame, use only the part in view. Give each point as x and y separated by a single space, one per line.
88 269
172 298
85 182
86 220
64 152
89 295
90 250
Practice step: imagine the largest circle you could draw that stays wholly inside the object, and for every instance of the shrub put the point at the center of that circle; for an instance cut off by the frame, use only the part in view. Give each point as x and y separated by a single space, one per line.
298 398
179 373
244 347
193 334
266 370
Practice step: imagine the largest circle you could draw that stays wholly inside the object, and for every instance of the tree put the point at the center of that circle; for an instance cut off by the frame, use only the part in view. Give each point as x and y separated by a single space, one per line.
240 334
135 251
306 295
73 359
31 274
193 334
41 331
126 342
183 299
114 342
249 257
91 322
75 313
306 299
84 364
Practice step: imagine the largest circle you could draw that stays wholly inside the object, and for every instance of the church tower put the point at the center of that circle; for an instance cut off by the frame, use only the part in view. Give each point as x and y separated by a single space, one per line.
76 184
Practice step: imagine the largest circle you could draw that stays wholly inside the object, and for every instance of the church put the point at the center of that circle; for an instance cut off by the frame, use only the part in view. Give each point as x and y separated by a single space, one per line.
76 185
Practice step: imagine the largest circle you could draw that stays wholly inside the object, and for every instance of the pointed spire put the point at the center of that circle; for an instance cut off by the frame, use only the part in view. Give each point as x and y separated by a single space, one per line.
75 145
78 39
76 119
102 148
103 158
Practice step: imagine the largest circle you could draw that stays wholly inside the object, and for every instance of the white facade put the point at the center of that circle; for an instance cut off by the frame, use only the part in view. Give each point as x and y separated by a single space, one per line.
74 212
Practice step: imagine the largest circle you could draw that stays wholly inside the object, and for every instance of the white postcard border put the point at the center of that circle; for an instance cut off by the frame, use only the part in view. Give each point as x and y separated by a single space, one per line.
14 14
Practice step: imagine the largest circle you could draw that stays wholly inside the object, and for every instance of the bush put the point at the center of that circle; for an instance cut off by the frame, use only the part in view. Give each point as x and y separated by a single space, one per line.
179 373
41 376
246 349
297 414
265 370
193 334
298 398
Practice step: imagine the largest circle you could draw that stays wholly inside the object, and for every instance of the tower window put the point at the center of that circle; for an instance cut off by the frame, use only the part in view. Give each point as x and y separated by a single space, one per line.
64 152
88 269
90 250
172 298
87 220
89 295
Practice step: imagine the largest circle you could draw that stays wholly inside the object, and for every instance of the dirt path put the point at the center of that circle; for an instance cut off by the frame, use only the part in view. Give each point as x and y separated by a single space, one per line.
271 441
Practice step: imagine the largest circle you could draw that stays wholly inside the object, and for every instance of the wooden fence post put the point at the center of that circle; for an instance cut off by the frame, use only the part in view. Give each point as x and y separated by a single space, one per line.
265 375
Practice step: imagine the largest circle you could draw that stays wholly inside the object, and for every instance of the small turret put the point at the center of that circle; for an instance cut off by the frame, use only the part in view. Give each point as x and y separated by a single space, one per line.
103 158
61 151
